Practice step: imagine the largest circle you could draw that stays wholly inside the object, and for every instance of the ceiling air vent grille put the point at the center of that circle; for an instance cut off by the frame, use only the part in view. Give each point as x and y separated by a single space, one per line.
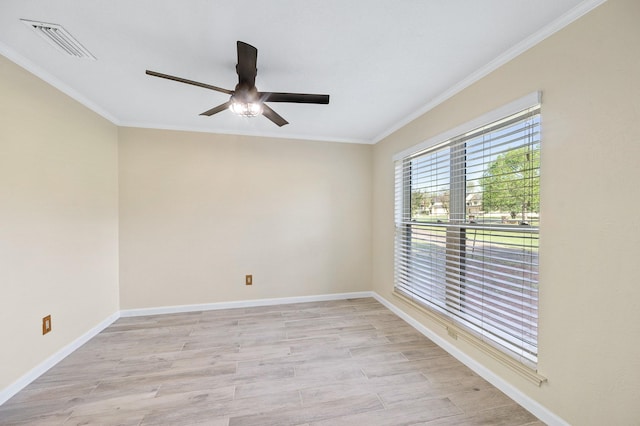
59 38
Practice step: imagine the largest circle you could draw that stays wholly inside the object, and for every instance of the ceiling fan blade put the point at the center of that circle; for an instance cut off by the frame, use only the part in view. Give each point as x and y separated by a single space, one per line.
217 109
184 80
247 64
299 98
273 116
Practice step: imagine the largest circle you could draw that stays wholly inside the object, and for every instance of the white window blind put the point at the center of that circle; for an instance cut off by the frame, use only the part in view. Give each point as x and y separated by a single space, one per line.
467 222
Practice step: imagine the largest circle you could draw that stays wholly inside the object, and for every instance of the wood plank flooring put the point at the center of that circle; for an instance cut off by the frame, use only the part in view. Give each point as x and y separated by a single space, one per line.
344 362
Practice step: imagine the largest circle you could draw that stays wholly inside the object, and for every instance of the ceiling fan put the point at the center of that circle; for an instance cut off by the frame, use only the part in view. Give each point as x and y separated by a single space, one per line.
245 99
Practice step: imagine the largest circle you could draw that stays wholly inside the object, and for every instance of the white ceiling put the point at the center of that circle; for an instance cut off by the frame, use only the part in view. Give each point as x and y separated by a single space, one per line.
382 61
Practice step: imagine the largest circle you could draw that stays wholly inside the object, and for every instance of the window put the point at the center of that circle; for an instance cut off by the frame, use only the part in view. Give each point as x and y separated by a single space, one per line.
467 221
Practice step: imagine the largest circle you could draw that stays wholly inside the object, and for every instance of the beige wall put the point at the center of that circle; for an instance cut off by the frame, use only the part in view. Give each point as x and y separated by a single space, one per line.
200 211
58 220
589 274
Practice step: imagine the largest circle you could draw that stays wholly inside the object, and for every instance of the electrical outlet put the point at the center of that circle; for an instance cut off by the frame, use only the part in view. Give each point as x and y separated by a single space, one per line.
452 333
248 280
46 324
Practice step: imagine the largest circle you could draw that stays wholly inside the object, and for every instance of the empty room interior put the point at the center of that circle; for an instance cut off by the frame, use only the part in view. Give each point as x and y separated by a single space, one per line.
310 264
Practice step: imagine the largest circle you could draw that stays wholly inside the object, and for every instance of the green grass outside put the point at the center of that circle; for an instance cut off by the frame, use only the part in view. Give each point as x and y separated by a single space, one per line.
502 238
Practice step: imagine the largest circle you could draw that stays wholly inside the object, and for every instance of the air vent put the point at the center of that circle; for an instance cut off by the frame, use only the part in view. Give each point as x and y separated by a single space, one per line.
59 38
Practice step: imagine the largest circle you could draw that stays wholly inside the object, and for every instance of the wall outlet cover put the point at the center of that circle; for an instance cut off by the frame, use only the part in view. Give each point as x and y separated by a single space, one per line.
46 324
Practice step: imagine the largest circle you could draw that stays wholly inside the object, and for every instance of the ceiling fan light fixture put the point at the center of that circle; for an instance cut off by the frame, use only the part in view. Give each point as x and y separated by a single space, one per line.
245 109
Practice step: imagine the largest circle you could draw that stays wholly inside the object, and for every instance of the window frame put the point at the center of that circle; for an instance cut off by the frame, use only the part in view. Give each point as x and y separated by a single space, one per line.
403 194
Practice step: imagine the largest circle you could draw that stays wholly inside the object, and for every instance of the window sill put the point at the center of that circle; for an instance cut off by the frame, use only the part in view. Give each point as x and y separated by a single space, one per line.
458 333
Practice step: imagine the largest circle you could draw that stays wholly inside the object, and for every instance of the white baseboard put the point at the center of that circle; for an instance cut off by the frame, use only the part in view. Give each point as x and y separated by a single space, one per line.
512 392
243 304
44 366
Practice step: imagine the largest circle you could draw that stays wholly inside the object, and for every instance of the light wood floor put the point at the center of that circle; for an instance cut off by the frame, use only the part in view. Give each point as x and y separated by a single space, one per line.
346 362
